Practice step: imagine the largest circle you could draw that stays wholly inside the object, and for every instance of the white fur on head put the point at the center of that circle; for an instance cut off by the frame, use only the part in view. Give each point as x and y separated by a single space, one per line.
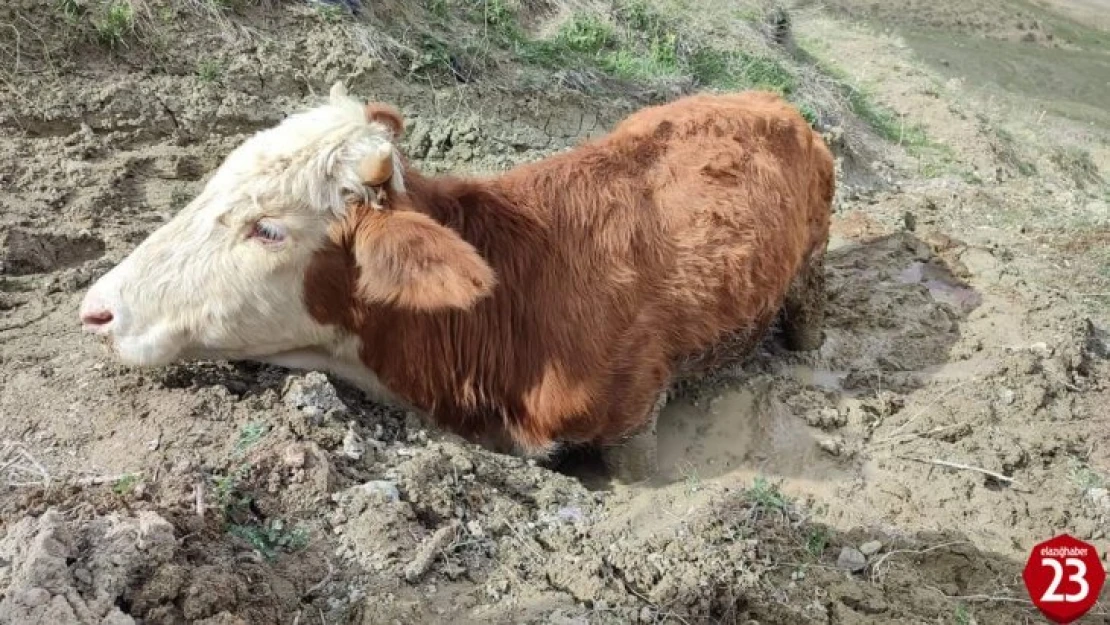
206 284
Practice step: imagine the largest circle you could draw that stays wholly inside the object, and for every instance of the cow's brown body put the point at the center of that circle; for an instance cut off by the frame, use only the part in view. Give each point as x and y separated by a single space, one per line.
618 265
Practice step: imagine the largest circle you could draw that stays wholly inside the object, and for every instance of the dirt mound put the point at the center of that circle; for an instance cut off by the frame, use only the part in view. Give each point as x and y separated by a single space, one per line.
57 573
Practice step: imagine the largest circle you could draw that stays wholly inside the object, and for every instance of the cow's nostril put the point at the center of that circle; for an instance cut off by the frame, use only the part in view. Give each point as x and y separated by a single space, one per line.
97 319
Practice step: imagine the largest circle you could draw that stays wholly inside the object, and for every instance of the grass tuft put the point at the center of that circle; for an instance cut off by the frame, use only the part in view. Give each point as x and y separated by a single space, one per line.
271 537
125 484
209 70
115 23
766 494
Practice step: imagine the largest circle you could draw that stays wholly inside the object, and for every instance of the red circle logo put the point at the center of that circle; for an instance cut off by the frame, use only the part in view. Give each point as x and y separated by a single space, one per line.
1064 577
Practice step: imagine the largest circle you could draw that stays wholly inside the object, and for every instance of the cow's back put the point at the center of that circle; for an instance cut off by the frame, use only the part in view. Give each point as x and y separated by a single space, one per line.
692 217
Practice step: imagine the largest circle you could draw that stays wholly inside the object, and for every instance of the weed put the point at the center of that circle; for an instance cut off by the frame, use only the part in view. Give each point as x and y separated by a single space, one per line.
438 8
330 12
963 615
691 478
809 113
71 10
209 70
498 15
117 21
766 495
1084 477
585 33
740 70
816 541
271 537
227 493
1078 165
125 484
250 435
434 54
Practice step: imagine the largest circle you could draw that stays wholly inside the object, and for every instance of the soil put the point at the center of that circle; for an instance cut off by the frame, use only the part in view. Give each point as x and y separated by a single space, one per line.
965 327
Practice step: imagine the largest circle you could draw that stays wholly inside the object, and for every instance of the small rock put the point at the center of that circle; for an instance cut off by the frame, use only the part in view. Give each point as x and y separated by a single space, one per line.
353 446
475 529
831 446
570 514
382 487
314 395
851 560
1006 396
35 597
826 418
870 548
294 456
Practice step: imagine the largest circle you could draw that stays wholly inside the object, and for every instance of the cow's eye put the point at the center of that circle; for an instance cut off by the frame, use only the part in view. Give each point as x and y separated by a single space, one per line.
268 232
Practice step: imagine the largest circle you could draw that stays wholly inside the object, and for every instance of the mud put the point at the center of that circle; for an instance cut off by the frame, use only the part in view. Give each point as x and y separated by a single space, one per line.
221 494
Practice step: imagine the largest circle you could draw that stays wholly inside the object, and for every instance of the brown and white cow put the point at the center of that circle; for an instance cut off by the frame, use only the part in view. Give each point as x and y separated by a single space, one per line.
552 304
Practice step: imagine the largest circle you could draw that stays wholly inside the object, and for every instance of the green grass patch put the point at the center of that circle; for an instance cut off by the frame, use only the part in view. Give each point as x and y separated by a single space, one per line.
250 435
209 71
637 43
268 538
271 537
816 541
126 484
765 494
115 23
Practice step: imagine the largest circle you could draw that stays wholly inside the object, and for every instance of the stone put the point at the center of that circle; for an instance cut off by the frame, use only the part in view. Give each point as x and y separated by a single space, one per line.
851 560
870 548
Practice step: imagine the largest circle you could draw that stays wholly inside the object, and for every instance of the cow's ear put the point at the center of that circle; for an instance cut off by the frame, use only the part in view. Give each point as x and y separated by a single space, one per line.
387 116
409 260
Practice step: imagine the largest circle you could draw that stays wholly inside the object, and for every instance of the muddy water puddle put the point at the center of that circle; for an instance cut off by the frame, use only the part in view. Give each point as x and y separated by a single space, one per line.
741 434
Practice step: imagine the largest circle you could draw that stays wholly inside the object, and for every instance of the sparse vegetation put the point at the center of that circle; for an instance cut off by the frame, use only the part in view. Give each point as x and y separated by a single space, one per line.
963 615
250 435
271 537
125 484
816 541
329 12
209 70
636 43
1084 477
114 23
765 494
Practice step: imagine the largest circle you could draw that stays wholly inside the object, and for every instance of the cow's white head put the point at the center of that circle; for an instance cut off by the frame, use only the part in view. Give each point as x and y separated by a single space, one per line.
224 278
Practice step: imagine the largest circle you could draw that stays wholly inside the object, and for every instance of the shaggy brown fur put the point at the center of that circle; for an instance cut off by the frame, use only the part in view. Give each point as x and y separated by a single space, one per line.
555 302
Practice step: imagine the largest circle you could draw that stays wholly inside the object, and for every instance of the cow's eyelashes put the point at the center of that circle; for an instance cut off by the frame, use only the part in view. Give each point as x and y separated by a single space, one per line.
267 231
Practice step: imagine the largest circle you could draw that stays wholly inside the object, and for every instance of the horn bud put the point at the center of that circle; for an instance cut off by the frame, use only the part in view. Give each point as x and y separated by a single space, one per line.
377 168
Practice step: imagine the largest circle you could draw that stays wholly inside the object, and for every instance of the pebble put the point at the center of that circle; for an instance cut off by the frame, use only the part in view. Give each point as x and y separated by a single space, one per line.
35 597
382 487
1006 396
870 548
851 560
314 395
353 446
831 446
294 456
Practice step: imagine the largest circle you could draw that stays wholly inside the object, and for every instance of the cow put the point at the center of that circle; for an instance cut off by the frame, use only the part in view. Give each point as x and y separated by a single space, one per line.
546 307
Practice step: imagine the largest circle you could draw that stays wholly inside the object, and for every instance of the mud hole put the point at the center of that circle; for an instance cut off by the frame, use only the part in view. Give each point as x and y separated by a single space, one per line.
795 489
